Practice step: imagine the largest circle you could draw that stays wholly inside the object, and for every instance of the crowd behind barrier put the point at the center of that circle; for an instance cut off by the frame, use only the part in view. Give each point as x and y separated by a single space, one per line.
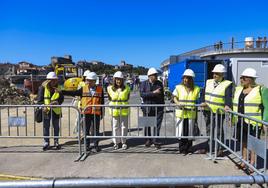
17 121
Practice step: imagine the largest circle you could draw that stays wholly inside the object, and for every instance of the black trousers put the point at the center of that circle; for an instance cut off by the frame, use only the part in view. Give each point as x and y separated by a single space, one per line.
92 128
185 143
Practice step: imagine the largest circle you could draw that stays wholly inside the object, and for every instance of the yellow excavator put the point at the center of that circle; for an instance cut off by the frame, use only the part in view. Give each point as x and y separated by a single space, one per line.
69 76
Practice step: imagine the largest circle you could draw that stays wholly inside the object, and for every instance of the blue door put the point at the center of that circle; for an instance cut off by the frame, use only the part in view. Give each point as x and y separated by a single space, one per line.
200 70
175 72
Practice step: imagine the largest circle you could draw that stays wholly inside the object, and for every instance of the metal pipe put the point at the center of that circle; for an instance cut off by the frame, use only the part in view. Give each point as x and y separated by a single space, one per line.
161 181
137 182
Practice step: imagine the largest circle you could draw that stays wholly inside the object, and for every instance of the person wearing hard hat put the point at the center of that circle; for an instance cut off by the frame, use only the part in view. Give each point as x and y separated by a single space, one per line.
218 94
80 85
152 92
83 82
49 94
118 94
249 100
90 94
185 95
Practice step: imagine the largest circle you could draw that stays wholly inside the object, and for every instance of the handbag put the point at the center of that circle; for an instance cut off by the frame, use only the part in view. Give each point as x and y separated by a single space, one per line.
38 114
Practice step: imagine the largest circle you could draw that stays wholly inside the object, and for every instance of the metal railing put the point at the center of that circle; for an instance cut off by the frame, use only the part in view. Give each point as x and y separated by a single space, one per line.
18 122
139 182
138 121
243 138
220 47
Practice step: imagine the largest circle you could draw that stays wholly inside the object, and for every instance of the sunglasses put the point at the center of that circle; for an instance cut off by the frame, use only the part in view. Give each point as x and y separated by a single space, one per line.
244 77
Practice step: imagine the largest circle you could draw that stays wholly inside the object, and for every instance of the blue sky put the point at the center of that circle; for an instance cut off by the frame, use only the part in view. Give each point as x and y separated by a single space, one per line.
141 32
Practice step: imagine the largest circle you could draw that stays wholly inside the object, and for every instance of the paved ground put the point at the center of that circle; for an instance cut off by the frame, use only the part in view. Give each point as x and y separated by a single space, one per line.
26 158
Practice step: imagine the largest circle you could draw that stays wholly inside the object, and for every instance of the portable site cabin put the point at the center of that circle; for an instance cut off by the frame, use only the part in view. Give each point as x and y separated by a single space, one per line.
202 68
259 64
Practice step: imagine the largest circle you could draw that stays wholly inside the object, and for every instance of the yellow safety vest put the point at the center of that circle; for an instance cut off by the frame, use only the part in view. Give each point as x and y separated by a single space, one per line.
185 98
119 98
214 97
48 99
80 85
252 103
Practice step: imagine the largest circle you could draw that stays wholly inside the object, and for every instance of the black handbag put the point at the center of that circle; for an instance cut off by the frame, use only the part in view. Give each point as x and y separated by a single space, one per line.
38 115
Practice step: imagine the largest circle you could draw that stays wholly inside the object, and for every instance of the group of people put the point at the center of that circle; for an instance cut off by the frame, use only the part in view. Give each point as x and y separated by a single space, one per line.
247 99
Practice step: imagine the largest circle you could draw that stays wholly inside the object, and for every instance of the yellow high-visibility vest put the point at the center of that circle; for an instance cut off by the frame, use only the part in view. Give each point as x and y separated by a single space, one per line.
252 103
119 98
185 98
214 97
80 85
48 99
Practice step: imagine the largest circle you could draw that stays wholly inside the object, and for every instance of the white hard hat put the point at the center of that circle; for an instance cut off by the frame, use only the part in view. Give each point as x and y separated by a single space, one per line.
52 76
219 68
86 73
152 71
92 76
189 72
118 74
250 72
249 39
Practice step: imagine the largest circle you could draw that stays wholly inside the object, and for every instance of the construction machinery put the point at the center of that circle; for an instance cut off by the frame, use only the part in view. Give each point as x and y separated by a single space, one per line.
70 76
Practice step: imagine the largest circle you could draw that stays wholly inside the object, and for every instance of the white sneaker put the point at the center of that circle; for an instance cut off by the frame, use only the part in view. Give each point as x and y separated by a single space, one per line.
116 147
124 146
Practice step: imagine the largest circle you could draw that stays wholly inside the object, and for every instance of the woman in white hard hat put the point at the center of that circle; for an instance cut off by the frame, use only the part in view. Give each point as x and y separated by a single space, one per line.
186 94
49 94
152 92
118 94
90 94
248 100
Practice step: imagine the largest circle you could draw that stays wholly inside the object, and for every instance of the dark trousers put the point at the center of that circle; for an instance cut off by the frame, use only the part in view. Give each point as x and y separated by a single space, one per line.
220 132
92 128
46 126
156 131
185 143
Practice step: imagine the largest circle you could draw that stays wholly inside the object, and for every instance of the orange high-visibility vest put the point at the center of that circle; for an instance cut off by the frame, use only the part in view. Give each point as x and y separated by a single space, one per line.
88 99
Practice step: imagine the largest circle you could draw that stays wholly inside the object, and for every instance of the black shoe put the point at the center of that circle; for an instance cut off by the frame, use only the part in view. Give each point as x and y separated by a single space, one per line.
97 148
148 143
89 148
57 146
220 153
202 151
157 145
46 146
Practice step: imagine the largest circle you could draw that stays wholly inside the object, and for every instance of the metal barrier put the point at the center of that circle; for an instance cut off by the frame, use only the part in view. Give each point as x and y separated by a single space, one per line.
138 120
18 122
239 139
139 182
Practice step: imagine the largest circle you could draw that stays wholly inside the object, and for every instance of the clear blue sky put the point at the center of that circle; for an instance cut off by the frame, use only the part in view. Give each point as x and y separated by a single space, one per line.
141 32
